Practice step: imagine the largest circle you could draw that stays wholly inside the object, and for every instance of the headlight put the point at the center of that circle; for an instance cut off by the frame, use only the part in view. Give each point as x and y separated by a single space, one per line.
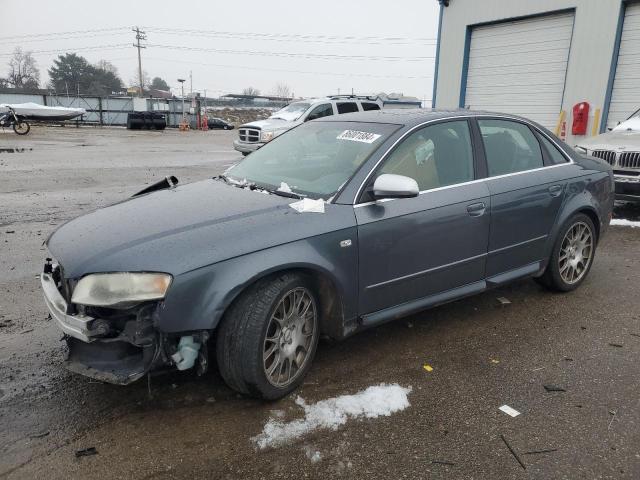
267 136
120 289
580 150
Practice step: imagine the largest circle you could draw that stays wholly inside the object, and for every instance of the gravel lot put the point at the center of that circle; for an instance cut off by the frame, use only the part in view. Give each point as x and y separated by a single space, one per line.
483 354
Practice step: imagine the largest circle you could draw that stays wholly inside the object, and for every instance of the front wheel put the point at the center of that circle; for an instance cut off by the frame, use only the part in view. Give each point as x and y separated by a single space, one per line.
268 338
572 255
22 127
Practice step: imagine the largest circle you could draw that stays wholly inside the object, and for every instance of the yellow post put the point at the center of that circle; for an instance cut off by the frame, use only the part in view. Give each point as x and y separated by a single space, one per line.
596 123
560 120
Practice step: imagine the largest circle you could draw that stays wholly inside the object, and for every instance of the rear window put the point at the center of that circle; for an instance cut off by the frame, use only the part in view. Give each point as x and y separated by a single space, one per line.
554 153
347 107
366 106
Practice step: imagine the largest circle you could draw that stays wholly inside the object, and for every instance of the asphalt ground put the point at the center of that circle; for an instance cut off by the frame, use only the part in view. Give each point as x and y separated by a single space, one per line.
483 354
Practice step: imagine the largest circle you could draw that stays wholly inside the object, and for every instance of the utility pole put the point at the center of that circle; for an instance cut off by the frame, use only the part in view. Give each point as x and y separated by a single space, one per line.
140 35
191 83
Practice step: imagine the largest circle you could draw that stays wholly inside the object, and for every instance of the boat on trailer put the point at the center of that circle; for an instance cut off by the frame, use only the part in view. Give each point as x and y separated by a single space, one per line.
34 111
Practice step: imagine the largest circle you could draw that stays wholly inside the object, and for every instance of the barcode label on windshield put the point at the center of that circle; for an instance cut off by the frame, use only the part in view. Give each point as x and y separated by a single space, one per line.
356 136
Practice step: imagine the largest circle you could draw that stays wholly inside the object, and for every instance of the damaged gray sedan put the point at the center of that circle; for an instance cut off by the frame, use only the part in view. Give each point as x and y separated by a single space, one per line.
335 226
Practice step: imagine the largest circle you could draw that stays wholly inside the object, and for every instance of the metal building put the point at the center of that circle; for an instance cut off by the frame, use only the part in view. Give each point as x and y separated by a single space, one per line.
540 58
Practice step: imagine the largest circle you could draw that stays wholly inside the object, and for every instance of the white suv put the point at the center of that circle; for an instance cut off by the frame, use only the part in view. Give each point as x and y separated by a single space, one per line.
251 136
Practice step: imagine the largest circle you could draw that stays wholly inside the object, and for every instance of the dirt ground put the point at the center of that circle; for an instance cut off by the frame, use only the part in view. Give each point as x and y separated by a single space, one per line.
484 355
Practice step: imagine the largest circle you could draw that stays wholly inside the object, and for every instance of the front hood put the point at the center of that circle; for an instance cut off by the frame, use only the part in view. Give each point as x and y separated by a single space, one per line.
271 124
618 141
185 228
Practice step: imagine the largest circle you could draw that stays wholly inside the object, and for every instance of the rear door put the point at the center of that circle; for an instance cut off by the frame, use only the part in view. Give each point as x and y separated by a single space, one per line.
526 195
416 248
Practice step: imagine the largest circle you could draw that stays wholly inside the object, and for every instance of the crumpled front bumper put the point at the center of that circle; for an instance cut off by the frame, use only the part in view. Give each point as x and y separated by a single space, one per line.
245 147
116 360
77 326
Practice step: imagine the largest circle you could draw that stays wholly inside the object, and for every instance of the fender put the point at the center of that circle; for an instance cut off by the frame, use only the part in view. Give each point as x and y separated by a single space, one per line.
589 194
198 299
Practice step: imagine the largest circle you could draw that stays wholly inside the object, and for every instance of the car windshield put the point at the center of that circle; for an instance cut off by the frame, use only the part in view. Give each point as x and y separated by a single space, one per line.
292 111
313 160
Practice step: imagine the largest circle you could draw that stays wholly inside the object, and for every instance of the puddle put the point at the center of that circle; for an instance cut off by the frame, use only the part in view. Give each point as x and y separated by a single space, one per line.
15 150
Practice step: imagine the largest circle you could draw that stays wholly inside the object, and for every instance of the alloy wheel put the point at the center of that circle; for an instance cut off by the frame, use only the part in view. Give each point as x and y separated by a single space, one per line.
289 337
576 253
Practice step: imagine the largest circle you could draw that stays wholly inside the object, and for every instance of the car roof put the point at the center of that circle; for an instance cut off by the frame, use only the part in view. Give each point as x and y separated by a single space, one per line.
409 116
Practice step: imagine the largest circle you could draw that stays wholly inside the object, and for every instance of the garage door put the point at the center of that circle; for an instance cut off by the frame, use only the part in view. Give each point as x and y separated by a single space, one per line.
519 67
625 97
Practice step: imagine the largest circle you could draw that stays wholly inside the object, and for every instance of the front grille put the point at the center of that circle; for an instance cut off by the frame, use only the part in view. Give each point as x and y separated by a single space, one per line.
249 135
608 156
629 160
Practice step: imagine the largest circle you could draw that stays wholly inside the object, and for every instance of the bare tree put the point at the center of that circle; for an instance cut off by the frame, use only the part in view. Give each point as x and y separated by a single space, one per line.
23 70
250 91
107 66
282 90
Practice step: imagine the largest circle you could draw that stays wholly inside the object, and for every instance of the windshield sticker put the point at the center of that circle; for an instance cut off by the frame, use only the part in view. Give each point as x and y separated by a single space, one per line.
356 136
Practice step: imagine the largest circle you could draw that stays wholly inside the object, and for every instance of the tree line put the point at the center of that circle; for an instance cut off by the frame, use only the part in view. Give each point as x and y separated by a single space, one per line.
71 74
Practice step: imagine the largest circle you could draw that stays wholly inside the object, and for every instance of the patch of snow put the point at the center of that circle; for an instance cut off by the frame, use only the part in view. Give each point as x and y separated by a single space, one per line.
621 222
375 401
284 188
307 205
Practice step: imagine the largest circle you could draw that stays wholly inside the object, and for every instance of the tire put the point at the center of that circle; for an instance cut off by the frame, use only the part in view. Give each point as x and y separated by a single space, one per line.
21 128
557 275
253 326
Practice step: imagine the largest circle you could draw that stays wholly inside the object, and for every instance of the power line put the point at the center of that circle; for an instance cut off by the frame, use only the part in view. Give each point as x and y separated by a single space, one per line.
54 34
318 56
280 37
290 35
279 70
72 50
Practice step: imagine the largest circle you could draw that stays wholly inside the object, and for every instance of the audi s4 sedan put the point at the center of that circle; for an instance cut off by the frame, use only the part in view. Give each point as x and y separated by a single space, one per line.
338 225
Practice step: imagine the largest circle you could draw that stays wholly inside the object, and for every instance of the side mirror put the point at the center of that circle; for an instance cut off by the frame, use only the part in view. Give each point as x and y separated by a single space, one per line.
389 185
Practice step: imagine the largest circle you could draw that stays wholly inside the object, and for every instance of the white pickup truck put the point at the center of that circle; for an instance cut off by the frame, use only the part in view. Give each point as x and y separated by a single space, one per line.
252 136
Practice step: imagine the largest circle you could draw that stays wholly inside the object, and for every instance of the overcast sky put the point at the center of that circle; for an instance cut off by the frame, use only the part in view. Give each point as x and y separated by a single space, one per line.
369 46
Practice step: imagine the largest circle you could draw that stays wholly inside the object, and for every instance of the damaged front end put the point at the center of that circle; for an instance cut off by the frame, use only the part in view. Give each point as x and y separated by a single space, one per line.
119 343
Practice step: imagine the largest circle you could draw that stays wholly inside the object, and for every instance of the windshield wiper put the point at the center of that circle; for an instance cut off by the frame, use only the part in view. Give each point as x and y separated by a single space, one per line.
281 193
234 183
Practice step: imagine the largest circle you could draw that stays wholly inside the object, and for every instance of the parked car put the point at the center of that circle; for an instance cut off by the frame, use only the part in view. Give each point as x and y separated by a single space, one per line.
253 135
339 225
619 147
219 124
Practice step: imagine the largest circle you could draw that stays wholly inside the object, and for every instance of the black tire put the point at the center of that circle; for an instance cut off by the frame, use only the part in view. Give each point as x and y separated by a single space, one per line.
21 128
244 154
552 277
241 338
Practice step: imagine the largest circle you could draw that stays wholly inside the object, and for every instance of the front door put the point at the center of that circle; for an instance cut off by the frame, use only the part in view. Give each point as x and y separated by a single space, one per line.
415 248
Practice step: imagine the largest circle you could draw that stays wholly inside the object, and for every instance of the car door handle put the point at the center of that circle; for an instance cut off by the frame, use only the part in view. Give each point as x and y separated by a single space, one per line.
476 209
555 190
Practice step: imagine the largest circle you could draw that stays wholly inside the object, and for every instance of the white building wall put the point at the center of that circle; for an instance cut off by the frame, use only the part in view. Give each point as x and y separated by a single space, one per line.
592 45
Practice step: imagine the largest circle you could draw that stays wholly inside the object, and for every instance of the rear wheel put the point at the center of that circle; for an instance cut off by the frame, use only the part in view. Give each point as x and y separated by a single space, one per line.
22 127
268 338
572 255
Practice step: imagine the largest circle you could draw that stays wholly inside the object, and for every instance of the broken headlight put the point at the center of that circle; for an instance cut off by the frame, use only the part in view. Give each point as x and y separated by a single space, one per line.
120 289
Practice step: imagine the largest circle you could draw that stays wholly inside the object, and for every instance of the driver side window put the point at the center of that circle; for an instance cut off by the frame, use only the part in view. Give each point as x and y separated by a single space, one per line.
434 156
320 111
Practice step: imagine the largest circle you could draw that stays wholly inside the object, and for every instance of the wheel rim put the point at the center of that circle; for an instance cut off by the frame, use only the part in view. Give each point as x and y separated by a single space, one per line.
289 338
21 127
576 252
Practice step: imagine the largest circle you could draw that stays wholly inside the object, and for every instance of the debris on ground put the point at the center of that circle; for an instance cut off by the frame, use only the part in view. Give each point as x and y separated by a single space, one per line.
442 462
312 454
504 301
635 334
513 452
493 360
87 452
554 388
613 417
39 434
428 368
536 452
10 231
509 411
618 345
